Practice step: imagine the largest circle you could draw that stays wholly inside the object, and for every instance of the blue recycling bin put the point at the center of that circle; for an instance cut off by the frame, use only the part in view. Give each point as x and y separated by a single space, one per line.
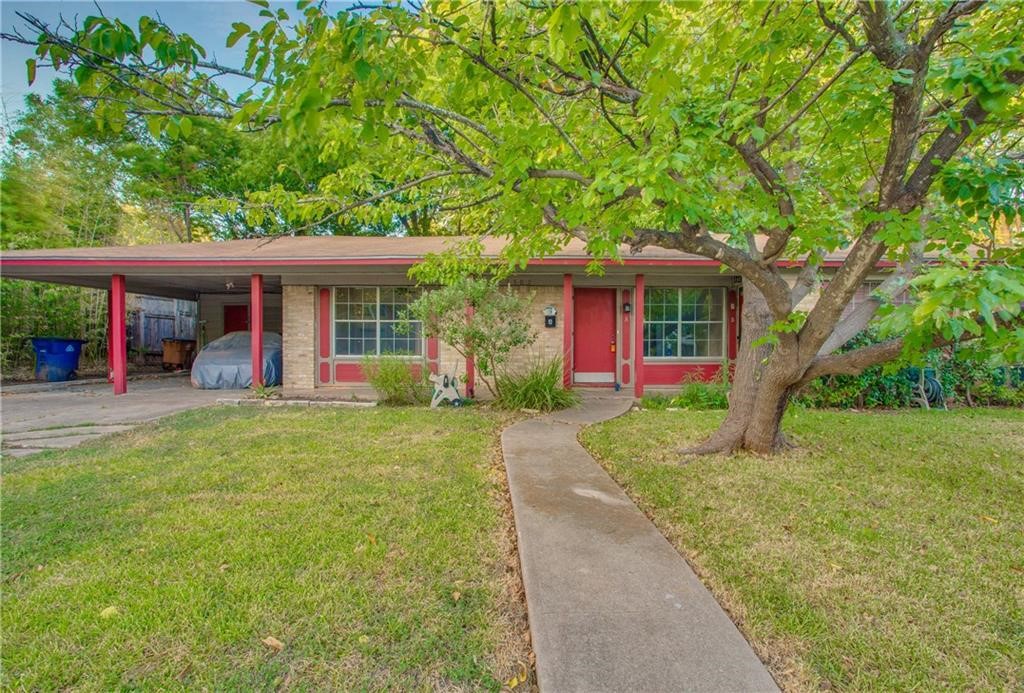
56 358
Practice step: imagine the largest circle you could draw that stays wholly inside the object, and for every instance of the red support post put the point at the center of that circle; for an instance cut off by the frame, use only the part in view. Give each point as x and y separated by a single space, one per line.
566 330
117 348
638 345
110 337
256 327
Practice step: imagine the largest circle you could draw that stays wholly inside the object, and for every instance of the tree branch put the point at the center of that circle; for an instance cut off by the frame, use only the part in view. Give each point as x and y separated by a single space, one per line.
857 361
945 145
894 286
805 281
402 187
887 44
814 97
518 86
692 239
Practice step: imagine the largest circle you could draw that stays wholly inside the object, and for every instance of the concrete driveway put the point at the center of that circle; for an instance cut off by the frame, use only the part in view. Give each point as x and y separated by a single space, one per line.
34 421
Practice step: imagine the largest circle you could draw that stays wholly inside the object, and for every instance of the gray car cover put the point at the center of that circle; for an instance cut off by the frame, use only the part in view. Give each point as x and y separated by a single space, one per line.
226 363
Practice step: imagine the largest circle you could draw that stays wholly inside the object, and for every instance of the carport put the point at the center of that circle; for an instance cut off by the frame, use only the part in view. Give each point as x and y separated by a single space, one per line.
172 271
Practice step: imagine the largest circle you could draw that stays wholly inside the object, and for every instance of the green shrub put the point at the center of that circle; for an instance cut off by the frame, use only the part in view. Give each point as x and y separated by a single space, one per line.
498 324
397 380
539 387
657 401
994 394
872 388
694 394
967 377
702 395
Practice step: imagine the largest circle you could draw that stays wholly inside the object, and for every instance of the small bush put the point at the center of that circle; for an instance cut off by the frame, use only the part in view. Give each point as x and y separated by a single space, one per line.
396 379
694 394
873 388
992 394
701 395
657 401
539 387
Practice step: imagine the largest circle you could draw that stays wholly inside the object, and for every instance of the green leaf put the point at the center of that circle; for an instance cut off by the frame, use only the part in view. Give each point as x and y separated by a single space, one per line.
240 30
31 65
363 70
186 126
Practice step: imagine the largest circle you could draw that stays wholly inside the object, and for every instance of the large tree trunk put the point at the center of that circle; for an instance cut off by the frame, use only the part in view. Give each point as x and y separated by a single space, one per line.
761 387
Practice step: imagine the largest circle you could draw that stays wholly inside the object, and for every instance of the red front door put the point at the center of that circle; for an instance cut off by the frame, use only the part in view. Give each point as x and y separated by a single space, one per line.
236 319
593 346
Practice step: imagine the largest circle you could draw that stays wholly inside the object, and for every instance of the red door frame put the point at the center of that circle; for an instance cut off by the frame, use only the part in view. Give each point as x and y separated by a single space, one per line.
595 340
638 347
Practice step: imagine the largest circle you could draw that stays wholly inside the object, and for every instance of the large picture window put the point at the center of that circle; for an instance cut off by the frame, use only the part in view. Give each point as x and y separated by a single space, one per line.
366 321
684 323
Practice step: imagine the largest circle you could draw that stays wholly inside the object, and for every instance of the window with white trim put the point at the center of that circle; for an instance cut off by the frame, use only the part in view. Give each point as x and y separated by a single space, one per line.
366 321
684 322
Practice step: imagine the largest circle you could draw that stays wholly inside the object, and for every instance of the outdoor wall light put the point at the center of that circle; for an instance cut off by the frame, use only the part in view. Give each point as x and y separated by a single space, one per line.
627 307
549 316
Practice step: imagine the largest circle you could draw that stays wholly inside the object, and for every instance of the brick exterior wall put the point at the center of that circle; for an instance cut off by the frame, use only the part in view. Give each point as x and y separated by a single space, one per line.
299 337
299 333
547 345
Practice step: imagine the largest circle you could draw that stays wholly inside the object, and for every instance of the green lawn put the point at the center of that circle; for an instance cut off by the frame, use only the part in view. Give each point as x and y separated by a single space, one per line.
886 552
375 545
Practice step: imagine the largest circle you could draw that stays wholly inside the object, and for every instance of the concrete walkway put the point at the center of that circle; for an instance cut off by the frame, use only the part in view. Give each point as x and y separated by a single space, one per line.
32 421
612 605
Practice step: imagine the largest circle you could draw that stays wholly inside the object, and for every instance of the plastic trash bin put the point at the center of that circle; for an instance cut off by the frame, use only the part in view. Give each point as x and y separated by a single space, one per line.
56 358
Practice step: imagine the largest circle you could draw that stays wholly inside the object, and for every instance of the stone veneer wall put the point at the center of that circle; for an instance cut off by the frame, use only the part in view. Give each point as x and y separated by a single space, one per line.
299 337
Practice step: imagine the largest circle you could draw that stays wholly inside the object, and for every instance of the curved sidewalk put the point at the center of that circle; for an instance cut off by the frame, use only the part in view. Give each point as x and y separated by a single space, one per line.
612 605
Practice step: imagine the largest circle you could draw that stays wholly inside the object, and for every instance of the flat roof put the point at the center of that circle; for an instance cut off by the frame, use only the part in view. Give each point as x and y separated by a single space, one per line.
309 249
184 269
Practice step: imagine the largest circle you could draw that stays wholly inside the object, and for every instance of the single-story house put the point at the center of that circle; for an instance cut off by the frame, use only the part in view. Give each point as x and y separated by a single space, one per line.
648 321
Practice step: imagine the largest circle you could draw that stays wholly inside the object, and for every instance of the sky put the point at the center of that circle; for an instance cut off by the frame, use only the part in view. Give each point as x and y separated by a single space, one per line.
209 22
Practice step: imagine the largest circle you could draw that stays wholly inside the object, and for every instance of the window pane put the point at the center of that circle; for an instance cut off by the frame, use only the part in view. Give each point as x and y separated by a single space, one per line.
714 343
355 304
393 341
686 340
355 338
717 303
654 339
394 301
